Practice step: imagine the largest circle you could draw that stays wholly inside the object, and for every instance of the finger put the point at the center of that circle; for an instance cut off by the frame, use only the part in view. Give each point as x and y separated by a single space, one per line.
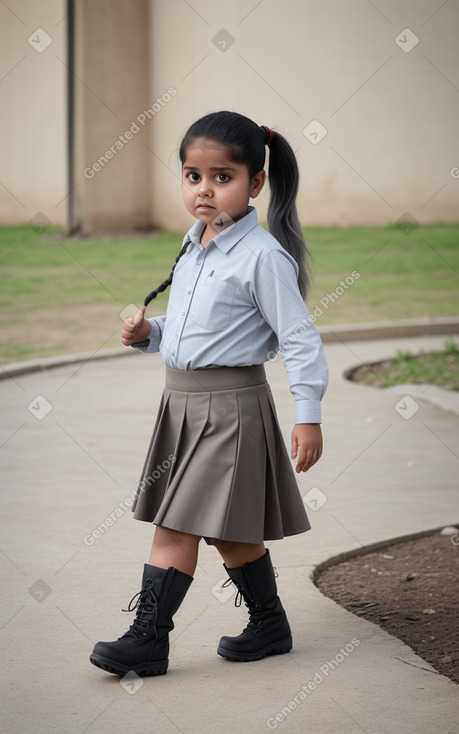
306 459
129 324
139 317
128 335
302 455
312 458
294 448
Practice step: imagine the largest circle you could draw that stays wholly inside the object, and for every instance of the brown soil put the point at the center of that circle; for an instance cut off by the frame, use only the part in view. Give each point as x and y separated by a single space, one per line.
409 589
375 370
438 368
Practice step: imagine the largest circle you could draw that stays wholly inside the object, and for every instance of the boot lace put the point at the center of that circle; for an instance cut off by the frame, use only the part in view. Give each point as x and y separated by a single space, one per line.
146 604
256 614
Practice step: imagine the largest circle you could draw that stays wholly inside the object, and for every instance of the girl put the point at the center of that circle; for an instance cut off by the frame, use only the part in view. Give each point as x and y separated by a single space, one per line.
217 467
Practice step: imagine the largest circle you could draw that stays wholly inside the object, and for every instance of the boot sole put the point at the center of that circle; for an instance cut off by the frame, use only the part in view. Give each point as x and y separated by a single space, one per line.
276 648
143 669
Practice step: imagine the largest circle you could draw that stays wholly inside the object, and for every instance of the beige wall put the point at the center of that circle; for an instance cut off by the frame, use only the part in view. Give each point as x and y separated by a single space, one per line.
112 171
32 112
391 116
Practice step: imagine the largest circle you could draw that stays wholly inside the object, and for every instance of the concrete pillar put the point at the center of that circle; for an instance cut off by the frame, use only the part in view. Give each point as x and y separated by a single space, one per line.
109 163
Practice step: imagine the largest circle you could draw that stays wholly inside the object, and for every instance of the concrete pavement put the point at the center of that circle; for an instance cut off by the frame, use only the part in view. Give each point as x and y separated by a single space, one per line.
73 440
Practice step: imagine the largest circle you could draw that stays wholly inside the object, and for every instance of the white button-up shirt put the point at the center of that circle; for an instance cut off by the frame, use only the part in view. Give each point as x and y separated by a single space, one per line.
235 303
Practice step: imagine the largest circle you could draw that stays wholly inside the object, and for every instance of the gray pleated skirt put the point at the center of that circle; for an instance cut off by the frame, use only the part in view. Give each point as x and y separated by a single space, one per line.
217 465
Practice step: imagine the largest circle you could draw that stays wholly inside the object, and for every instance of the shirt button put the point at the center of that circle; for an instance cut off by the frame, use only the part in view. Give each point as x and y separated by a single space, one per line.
176 336
189 292
173 354
183 313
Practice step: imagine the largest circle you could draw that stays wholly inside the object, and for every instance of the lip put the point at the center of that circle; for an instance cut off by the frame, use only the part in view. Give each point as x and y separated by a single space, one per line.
204 206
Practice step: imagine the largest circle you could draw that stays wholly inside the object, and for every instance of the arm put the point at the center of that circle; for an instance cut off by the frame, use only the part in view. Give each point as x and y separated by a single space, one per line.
281 305
141 333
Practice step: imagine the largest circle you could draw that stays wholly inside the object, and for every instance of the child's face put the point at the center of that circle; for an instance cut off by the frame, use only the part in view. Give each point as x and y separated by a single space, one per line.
213 185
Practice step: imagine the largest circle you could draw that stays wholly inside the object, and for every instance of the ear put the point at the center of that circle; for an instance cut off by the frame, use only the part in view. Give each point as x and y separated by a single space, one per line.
257 184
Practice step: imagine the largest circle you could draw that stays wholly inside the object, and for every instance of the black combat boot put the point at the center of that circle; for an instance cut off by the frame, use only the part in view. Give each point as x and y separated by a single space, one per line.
268 631
144 648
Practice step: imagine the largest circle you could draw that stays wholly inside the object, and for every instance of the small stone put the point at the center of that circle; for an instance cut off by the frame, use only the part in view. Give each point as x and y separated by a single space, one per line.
449 530
413 617
384 619
363 603
429 611
409 577
373 570
446 659
385 555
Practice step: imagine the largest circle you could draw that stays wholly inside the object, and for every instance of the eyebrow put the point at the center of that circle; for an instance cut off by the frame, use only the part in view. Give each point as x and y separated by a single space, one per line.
214 168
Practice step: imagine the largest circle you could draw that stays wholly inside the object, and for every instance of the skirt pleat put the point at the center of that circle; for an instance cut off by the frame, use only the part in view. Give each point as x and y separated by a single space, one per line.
217 465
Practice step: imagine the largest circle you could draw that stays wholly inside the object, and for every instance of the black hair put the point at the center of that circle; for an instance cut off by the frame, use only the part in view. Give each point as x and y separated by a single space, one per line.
245 142
166 283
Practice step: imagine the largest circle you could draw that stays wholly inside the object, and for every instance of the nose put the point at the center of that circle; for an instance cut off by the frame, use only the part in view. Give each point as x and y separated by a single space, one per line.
204 188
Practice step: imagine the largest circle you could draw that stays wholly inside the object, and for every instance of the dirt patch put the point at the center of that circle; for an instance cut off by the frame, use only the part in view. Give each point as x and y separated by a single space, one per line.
437 368
409 589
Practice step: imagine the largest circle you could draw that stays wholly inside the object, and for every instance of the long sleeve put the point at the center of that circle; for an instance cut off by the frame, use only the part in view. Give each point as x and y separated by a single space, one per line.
280 303
153 341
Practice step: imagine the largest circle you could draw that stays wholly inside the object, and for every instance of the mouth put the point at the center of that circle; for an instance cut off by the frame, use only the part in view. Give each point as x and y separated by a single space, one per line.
204 206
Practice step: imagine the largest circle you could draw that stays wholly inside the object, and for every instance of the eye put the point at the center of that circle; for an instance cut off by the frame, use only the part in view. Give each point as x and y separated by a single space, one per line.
193 176
222 178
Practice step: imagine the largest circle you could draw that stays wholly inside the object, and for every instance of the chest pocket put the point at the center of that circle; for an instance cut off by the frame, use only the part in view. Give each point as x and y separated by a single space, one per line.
212 304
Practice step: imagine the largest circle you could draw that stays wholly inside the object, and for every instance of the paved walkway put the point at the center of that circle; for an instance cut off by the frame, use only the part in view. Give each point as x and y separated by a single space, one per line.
69 461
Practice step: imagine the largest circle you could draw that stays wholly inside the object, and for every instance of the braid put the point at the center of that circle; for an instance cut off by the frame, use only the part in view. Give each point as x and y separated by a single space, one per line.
166 283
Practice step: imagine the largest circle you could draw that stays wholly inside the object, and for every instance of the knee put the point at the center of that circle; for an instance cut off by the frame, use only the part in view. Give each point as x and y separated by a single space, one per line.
225 547
169 537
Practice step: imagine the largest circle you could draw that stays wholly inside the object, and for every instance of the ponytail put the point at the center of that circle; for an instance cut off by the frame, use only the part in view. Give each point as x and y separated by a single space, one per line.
166 283
283 220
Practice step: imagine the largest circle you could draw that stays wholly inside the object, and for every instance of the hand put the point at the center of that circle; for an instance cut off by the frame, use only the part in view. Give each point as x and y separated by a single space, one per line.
306 445
135 328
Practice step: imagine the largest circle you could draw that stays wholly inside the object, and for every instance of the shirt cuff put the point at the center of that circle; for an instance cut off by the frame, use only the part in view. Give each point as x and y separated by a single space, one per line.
308 411
141 346
152 342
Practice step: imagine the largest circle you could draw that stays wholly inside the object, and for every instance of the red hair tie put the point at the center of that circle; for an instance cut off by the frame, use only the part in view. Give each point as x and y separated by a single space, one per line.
268 134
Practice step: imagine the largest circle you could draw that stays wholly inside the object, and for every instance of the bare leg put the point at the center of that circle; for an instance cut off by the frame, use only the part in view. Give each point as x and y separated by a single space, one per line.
236 554
173 548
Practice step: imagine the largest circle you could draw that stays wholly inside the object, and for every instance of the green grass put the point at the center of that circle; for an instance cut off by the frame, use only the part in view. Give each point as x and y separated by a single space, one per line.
401 275
43 271
65 295
437 368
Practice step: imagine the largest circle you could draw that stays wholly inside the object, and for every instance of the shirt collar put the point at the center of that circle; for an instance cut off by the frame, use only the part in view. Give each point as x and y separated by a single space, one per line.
230 236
